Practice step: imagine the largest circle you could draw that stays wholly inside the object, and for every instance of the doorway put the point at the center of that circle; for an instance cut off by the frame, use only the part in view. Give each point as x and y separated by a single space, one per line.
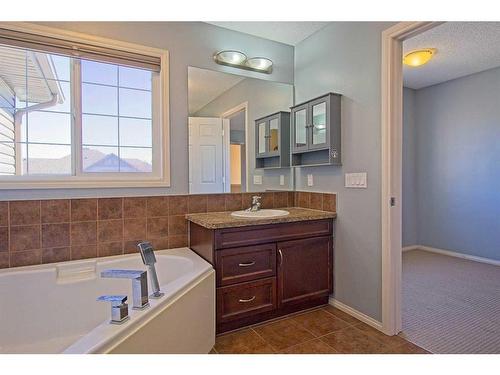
237 150
440 290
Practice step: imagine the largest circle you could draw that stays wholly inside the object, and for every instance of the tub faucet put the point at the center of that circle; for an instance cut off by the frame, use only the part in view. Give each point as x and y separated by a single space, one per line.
149 259
139 285
255 203
119 308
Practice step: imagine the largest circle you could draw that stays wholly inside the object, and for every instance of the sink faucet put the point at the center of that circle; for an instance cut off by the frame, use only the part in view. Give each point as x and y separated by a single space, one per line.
255 203
149 259
139 285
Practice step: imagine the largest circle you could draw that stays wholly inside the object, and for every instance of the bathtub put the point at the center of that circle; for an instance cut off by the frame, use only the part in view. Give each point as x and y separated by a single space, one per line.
53 308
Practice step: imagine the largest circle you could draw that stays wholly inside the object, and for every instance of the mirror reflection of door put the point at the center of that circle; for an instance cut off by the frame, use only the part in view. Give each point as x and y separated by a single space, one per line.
206 163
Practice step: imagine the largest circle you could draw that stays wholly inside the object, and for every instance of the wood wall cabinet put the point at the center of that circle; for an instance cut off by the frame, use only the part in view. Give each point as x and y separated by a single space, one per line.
266 271
272 141
316 131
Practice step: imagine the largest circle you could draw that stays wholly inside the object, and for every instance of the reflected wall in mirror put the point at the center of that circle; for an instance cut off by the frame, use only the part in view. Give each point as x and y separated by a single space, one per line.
222 146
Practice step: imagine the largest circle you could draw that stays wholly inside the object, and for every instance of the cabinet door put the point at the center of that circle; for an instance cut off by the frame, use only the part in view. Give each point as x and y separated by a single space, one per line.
305 270
319 134
261 147
274 136
299 128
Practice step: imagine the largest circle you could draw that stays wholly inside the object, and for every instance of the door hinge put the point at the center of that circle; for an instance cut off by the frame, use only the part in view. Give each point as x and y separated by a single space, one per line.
393 201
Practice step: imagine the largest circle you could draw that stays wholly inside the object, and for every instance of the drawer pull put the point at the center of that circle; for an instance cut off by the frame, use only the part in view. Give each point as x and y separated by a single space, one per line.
246 264
246 300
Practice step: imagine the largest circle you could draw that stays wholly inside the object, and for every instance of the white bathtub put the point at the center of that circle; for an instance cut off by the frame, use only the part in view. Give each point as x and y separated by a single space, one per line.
53 308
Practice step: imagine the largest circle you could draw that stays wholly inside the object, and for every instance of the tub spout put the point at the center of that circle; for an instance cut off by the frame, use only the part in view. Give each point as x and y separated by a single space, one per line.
139 285
149 259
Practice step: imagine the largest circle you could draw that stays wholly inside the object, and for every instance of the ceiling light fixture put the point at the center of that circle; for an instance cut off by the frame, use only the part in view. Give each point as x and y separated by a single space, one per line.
239 60
419 57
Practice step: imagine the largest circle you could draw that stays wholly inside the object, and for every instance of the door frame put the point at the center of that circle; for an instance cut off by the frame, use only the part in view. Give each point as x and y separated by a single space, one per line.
392 144
225 115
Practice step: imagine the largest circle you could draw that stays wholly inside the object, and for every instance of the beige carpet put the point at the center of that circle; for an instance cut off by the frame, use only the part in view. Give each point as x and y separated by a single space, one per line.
450 305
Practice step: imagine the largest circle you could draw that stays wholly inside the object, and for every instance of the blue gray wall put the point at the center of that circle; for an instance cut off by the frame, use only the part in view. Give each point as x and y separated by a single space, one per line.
457 125
189 44
409 169
344 57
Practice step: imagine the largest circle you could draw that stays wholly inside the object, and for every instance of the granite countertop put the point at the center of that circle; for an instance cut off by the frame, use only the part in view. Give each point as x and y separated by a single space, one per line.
218 220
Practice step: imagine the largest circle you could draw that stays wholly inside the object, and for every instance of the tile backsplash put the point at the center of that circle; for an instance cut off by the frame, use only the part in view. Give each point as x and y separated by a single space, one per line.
48 231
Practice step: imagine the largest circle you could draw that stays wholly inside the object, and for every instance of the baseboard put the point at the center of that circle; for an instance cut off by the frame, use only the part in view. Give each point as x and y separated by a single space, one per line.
412 247
453 254
355 313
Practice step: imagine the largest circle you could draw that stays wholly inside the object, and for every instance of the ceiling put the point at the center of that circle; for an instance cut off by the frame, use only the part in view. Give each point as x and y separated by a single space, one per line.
206 85
463 48
291 33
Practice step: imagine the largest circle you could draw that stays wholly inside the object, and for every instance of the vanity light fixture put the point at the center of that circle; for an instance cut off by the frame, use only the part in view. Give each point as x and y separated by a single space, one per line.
238 59
230 57
260 63
419 57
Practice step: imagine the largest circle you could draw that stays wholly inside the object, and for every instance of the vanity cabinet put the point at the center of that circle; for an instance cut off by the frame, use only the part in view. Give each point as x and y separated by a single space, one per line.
272 141
315 132
266 271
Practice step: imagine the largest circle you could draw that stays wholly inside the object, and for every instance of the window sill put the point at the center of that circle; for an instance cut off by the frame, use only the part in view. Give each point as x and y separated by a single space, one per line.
65 184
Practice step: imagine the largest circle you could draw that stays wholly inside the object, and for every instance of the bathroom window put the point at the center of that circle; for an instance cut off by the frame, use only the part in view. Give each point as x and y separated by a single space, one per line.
97 117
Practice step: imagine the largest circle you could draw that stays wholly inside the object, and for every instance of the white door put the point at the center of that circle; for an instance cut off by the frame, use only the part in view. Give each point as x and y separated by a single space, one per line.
206 156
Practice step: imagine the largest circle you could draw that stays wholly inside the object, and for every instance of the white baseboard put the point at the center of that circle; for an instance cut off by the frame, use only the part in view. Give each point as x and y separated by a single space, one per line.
355 313
453 254
412 247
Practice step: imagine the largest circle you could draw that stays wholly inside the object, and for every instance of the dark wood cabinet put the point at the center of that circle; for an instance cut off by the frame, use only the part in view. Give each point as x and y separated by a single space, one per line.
265 271
304 270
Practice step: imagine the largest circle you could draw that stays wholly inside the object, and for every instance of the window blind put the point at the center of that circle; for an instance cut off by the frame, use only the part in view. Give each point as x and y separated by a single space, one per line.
81 50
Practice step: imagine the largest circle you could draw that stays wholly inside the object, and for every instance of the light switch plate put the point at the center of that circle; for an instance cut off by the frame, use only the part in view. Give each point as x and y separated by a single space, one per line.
282 179
310 180
356 180
257 179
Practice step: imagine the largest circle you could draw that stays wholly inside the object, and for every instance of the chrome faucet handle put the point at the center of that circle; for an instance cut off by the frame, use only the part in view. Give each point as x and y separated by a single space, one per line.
255 203
119 307
139 279
256 199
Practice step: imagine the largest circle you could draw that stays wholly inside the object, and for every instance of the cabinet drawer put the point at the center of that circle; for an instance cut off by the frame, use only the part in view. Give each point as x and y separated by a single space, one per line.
259 234
245 299
245 264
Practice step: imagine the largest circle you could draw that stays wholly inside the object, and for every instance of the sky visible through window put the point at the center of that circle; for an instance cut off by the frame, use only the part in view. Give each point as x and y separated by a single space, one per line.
116 105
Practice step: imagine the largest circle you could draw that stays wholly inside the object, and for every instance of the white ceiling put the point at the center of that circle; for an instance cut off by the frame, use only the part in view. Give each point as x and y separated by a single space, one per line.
206 85
291 33
463 48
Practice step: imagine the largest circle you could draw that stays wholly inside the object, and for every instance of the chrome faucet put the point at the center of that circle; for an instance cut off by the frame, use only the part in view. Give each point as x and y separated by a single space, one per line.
119 308
149 259
255 203
139 285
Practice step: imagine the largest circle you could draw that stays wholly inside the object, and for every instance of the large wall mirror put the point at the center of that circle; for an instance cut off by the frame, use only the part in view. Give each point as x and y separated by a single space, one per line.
222 112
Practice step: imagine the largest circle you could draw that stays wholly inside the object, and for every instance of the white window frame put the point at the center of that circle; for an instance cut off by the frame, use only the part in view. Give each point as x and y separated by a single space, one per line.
160 175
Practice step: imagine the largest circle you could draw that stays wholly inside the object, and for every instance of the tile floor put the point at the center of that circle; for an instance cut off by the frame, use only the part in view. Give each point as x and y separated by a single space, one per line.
325 330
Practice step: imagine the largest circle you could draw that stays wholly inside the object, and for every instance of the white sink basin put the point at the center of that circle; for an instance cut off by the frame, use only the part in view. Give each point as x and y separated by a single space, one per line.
261 214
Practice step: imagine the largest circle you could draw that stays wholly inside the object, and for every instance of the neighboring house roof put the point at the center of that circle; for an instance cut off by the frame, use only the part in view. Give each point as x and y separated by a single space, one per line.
94 161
